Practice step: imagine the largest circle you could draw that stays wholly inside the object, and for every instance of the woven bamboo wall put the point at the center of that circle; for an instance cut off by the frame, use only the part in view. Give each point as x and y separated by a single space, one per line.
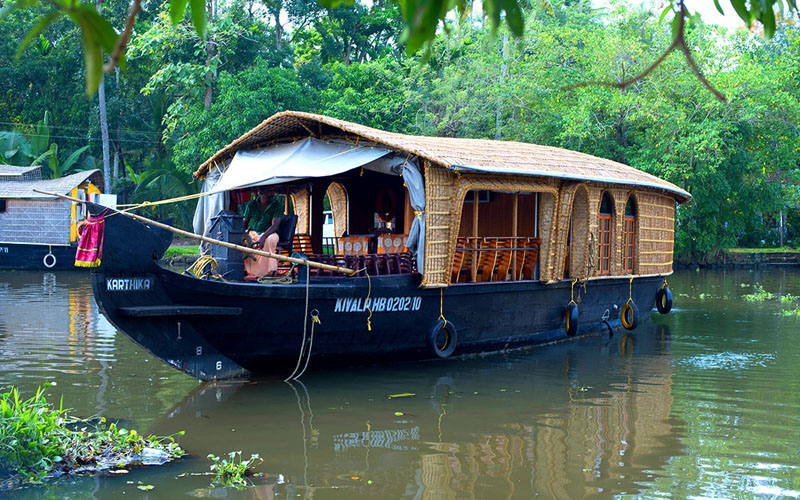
468 182
338 198
547 214
578 252
440 186
36 221
656 224
301 201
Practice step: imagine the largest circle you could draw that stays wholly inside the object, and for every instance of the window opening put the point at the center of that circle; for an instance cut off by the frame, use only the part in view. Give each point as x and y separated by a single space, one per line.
629 236
604 236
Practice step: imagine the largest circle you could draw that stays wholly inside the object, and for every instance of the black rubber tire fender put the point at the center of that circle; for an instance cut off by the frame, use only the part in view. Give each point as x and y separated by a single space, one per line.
664 300
450 342
629 315
571 320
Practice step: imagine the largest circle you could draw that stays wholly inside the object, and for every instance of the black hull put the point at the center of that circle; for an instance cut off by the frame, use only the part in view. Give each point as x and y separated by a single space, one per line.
217 330
32 256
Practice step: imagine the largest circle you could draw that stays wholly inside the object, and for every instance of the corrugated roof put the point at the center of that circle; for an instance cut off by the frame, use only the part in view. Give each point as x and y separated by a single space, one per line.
480 155
63 185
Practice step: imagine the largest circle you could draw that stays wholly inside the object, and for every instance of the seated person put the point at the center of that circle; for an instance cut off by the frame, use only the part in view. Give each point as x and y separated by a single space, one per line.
262 217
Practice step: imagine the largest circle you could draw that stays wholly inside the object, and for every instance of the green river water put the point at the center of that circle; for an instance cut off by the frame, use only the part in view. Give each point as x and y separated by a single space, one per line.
701 403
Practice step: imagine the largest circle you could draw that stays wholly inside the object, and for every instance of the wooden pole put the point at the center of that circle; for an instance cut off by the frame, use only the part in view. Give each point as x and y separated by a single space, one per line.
475 196
253 251
515 243
286 202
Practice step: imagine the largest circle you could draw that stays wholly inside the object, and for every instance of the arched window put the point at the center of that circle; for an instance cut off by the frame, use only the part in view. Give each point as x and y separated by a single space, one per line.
604 235
629 236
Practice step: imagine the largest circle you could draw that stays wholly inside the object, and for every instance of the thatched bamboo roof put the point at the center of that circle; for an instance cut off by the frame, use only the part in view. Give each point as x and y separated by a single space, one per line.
62 185
465 155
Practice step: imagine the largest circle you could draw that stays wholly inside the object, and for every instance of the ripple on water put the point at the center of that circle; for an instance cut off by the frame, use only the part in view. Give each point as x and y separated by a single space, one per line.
727 360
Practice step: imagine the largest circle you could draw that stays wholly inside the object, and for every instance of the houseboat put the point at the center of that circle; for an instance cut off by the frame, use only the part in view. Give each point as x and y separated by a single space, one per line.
39 231
442 247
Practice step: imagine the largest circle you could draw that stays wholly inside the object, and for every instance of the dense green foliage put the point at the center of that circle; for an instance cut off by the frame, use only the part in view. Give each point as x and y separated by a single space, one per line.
31 434
36 438
183 97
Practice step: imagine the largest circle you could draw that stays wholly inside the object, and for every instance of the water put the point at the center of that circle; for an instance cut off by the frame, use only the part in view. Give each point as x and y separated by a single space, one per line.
701 403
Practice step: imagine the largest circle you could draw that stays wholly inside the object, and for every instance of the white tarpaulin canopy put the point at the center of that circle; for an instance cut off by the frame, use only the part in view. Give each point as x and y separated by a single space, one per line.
294 161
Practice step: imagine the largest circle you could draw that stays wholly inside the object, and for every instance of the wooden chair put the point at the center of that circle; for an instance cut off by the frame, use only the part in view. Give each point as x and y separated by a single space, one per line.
503 258
458 259
531 258
486 259
302 243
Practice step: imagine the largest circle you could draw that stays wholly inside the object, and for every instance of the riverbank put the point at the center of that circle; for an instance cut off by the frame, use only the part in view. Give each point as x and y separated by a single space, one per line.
747 258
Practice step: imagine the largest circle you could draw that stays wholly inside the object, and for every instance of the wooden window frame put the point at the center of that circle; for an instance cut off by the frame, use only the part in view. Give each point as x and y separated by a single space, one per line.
604 245
628 243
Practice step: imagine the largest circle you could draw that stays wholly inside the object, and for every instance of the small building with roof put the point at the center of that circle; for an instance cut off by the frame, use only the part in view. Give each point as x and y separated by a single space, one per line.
38 231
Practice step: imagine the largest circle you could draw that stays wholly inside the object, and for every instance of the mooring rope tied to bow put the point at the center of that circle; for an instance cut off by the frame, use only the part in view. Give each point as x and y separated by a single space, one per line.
303 351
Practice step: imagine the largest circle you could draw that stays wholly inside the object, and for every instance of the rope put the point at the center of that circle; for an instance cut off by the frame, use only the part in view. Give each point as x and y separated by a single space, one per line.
369 293
281 279
572 292
630 290
295 374
441 307
664 285
198 266
369 306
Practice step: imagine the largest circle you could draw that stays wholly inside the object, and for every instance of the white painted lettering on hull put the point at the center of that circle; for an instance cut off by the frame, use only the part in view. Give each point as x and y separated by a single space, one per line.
377 304
127 284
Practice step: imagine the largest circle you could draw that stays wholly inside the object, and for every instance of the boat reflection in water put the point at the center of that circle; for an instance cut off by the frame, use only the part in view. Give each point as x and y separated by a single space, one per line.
49 326
572 421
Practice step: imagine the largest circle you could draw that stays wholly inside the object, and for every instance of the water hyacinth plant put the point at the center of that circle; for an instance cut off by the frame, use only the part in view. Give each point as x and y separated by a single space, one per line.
758 295
31 435
37 439
232 471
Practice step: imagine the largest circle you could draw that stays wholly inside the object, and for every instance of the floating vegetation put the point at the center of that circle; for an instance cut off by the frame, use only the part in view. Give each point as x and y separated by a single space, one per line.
37 440
401 395
788 298
758 295
789 312
232 471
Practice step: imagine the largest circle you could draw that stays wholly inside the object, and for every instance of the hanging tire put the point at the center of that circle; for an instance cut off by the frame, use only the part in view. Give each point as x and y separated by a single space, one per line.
442 339
49 261
664 300
629 315
571 320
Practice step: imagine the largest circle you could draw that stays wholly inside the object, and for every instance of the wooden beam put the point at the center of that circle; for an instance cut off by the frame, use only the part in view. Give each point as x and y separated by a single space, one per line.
145 220
514 223
475 234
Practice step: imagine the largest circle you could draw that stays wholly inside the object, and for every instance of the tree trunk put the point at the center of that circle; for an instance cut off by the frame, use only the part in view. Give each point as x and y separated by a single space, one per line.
503 74
780 224
101 97
210 74
118 143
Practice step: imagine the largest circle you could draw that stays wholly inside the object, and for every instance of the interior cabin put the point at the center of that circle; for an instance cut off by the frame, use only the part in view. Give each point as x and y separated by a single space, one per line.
456 211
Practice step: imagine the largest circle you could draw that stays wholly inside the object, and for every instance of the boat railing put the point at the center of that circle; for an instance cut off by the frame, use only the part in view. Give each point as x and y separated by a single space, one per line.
495 258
